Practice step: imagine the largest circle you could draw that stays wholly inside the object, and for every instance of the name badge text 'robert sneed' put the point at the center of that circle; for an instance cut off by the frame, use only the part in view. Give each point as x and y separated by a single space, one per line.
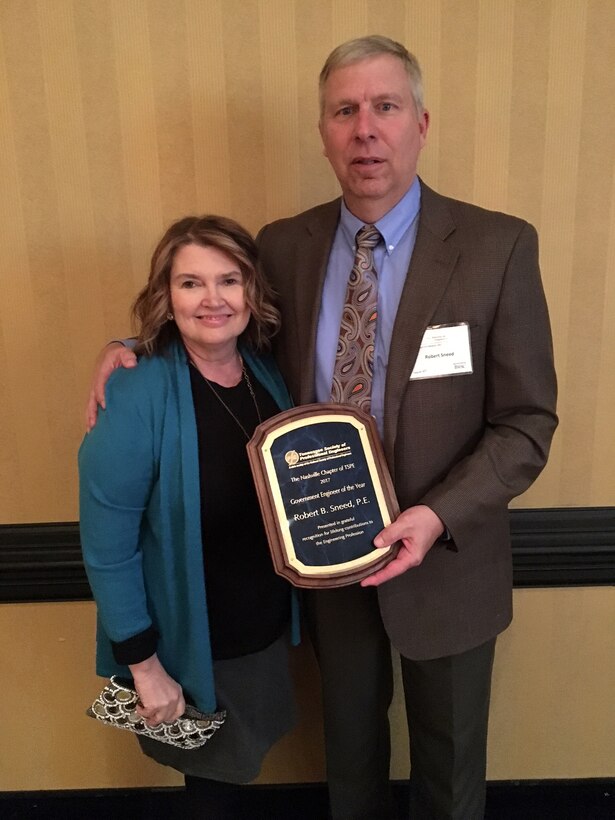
445 351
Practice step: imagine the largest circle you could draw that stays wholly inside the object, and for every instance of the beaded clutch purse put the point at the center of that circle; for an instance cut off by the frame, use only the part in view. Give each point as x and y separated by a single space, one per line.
116 706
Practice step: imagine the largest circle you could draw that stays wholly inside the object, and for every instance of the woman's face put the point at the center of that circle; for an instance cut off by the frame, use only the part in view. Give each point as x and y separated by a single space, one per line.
208 299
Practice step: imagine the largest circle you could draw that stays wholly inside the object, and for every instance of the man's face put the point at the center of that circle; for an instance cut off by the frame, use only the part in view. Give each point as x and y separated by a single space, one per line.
372 134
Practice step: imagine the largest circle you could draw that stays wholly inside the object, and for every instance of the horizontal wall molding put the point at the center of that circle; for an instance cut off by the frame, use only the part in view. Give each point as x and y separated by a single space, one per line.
563 546
42 562
571 546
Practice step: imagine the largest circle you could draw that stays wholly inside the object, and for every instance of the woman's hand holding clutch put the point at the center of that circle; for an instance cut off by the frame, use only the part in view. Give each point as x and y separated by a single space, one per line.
162 699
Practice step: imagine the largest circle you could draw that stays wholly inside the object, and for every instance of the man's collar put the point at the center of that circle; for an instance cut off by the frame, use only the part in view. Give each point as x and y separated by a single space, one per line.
393 224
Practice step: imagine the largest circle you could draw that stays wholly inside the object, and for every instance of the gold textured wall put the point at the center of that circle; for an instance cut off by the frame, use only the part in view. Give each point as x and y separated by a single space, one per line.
117 116
552 713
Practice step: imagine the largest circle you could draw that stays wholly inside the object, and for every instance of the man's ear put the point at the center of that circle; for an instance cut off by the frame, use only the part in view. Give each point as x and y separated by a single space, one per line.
424 126
324 150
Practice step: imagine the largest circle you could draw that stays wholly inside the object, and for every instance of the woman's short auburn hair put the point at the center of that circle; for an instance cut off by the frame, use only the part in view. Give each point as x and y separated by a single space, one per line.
152 306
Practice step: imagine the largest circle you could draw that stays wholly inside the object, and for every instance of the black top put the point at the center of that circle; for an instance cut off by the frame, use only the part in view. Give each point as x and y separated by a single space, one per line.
247 603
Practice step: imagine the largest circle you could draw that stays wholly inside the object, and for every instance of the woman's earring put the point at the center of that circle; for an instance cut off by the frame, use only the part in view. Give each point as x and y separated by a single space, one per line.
170 317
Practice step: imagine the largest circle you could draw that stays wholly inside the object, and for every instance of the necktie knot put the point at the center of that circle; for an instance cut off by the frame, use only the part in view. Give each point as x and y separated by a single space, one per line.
368 237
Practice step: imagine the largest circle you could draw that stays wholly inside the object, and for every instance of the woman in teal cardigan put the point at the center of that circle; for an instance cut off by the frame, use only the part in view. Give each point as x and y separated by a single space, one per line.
189 606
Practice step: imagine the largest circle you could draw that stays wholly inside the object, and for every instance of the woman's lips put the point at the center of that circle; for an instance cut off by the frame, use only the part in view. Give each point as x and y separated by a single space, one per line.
217 319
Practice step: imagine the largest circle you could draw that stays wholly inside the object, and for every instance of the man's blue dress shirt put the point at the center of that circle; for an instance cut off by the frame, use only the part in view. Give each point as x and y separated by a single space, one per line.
392 258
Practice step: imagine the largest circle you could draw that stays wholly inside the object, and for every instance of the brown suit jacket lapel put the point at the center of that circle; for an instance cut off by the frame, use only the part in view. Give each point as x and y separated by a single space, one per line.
432 264
309 281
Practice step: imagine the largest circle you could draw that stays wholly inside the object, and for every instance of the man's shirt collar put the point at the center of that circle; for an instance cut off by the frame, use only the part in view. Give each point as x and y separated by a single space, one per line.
393 224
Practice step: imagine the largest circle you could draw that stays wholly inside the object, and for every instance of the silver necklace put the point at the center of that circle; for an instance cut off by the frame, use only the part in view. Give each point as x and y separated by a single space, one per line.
246 378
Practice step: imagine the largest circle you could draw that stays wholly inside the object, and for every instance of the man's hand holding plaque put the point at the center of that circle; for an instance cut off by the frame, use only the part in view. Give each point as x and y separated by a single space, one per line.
325 494
416 529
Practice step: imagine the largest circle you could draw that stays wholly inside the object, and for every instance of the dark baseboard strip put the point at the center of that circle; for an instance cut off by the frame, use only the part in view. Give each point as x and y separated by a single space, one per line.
509 800
551 547
41 562
566 546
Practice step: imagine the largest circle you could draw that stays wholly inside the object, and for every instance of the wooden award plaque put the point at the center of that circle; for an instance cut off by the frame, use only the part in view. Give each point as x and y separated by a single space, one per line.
325 492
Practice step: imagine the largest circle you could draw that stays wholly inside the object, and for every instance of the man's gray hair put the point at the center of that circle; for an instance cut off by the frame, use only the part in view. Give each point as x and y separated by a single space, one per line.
355 51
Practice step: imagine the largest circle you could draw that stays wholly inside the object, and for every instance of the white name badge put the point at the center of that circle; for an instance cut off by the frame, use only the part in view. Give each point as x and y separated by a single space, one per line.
445 351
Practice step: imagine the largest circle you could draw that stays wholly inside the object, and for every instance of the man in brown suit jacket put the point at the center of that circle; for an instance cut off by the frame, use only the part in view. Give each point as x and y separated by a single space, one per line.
460 445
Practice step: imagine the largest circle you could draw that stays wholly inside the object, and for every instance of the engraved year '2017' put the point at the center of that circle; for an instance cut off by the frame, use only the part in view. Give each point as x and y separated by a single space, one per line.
328 473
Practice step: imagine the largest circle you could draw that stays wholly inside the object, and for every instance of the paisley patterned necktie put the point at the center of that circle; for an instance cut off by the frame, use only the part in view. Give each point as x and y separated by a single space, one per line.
354 361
